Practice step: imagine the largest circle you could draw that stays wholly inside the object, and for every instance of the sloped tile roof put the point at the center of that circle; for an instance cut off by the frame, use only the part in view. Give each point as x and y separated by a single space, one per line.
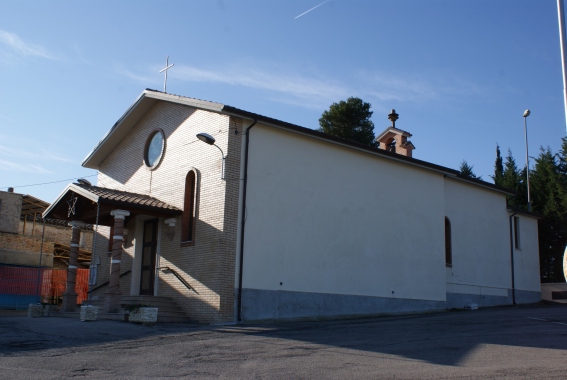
133 199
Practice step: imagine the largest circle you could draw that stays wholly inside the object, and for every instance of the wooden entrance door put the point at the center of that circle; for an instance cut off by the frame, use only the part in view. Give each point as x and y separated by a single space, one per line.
148 268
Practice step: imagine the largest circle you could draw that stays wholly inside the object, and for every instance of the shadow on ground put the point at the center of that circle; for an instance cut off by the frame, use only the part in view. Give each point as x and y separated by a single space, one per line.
441 338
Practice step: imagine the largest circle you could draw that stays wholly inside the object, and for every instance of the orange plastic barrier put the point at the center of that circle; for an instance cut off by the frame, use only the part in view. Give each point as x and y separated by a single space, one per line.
48 284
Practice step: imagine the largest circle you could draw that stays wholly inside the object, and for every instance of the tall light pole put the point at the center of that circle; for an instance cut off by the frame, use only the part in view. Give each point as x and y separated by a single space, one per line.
562 39
526 114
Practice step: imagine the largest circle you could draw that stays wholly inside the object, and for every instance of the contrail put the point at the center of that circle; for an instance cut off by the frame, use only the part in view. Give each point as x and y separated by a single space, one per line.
317 6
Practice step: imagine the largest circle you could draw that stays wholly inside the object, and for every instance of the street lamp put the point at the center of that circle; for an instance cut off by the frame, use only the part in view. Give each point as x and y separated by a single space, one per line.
526 114
206 138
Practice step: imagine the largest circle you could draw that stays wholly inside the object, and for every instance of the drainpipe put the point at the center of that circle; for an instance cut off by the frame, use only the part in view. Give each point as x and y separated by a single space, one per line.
512 261
243 221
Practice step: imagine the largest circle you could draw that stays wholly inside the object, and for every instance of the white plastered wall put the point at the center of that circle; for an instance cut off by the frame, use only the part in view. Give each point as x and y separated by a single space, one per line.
323 218
480 240
526 258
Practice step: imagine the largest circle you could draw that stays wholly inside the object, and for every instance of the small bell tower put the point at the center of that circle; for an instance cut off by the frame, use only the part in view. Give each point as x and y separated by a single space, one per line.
395 140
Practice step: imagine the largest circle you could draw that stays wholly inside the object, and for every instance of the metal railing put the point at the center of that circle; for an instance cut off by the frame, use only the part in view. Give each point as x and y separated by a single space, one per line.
181 279
107 282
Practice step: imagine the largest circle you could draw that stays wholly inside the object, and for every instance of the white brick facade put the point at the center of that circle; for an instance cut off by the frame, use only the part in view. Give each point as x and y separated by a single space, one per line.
208 265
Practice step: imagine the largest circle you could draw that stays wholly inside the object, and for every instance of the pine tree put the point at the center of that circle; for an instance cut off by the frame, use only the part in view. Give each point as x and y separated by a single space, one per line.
349 120
467 171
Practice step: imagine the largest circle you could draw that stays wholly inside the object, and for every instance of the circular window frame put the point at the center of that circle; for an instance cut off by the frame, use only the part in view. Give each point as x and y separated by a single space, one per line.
147 147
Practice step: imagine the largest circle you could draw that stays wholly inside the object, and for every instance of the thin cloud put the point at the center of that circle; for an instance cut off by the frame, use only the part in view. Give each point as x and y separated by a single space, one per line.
43 154
294 85
80 55
22 48
417 88
27 168
317 91
129 74
317 6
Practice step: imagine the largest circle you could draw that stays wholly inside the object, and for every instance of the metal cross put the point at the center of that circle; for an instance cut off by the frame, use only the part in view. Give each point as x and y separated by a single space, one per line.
167 66
71 202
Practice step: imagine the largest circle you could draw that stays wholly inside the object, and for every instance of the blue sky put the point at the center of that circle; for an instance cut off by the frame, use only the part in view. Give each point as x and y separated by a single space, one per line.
459 73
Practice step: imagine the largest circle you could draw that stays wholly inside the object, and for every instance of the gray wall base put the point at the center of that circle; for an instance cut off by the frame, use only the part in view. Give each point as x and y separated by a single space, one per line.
274 304
460 300
527 296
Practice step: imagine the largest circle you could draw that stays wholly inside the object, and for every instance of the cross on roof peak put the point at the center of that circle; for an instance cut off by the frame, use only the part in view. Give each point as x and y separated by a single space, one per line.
167 66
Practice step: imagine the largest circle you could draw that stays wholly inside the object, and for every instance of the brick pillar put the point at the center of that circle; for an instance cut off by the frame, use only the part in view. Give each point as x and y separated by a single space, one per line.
113 296
70 296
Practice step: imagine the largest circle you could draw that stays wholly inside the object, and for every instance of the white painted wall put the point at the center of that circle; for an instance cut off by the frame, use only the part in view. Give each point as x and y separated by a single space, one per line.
526 259
327 219
480 240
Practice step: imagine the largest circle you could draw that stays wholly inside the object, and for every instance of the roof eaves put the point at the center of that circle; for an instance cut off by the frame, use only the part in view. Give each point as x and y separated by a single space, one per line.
323 136
389 129
480 182
71 187
452 173
139 108
521 211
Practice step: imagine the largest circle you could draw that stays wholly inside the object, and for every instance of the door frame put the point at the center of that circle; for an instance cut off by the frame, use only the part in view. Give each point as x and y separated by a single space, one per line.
138 247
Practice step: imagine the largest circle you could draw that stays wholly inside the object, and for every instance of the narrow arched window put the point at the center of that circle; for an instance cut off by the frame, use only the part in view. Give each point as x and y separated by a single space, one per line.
189 203
448 249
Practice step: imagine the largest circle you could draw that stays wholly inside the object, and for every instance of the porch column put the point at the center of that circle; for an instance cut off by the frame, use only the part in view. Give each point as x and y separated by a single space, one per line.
113 296
70 296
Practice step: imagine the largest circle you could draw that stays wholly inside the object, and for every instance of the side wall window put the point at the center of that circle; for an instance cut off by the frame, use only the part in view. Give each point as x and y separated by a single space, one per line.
189 202
448 248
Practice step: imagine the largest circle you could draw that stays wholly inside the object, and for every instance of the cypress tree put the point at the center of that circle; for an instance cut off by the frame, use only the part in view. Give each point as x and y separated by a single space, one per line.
498 168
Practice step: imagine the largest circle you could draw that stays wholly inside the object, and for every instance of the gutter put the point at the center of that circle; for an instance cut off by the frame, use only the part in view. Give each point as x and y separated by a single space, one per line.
243 222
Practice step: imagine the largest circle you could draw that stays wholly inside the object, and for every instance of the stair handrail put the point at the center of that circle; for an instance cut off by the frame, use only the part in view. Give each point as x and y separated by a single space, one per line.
183 281
107 282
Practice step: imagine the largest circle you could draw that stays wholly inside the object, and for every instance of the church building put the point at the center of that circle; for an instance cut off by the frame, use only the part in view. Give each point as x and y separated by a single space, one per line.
238 216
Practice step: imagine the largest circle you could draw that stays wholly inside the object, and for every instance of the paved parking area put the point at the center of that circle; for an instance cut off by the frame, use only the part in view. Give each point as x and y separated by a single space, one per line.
512 342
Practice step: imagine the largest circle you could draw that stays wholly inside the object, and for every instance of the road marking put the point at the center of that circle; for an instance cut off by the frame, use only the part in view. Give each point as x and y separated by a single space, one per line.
545 320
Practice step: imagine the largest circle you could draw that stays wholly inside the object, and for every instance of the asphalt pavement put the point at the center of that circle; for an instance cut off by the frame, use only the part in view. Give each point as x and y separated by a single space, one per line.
521 342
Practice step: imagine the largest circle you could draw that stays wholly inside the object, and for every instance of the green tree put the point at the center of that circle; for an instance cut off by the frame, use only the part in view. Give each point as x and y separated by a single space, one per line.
548 188
349 120
562 158
467 171
547 194
513 179
498 167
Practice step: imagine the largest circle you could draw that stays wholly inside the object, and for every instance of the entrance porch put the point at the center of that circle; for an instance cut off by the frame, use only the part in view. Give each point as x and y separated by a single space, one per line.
115 210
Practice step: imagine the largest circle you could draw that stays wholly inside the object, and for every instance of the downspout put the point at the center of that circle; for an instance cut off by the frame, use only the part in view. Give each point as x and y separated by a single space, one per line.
512 261
243 221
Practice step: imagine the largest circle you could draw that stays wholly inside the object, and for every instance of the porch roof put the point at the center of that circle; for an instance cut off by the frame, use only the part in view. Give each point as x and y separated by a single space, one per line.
79 202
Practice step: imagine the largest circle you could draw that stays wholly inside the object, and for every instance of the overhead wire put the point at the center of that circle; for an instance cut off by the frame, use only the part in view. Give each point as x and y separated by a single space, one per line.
47 183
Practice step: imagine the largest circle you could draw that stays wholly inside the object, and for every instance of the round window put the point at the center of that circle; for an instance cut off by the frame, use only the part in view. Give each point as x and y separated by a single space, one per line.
154 149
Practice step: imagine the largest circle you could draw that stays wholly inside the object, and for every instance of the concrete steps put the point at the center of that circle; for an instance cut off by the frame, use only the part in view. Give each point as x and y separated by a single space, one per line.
168 310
